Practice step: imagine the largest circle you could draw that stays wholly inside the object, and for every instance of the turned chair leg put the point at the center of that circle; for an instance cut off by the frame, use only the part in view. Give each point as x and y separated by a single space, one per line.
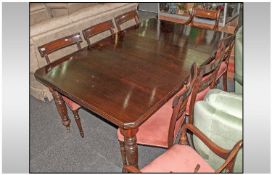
123 155
77 119
225 79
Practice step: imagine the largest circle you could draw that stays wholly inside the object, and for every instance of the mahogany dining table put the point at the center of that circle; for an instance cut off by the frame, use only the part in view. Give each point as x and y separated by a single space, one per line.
128 79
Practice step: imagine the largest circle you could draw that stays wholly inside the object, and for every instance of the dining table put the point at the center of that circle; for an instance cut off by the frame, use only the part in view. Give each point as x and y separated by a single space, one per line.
126 78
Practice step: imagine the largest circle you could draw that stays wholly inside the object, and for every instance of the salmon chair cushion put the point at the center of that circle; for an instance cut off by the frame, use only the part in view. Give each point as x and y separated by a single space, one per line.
72 105
219 117
178 159
154 131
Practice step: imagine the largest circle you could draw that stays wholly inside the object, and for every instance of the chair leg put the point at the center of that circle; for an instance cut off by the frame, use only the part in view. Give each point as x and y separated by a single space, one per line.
225 79
123 155
77 119
192 141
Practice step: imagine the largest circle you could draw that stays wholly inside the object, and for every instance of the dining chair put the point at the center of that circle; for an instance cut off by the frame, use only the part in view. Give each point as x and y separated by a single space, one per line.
98 29
161 128
182 158
206 79
46 49
121 19
200 14
223 70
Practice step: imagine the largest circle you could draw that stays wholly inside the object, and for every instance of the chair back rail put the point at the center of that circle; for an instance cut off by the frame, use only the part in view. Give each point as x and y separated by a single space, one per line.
203 13
119 20
58 44
97 29
229 44
208 14
180 103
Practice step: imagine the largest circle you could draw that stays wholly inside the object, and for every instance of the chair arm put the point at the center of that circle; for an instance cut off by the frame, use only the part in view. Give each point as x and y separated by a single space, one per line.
211 145
229 162
131 169
228 155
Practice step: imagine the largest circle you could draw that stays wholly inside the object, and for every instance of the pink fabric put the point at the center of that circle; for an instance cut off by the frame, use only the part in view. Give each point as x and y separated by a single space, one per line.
72 105
178 159
222 69
200 96
154 131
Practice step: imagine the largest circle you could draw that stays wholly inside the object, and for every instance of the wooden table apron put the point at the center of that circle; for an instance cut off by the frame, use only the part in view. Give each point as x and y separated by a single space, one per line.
126 82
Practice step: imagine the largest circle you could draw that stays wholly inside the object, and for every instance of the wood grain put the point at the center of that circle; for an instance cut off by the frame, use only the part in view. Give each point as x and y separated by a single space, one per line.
128 81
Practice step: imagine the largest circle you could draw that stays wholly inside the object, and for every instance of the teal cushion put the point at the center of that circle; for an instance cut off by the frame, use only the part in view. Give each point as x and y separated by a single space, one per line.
227 102
222 128
238 52
238 88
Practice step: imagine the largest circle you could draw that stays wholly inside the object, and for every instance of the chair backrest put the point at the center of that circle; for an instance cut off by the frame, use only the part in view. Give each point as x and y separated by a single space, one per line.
206 14
180 103
97 29
206 77
229 44
121 19
58 44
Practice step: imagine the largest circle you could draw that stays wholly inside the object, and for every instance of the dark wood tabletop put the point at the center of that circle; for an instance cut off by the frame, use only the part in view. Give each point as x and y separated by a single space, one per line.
128 81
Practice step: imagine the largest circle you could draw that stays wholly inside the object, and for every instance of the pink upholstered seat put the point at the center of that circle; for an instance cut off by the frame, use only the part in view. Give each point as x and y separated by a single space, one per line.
72 105
180 159
222 69
154 131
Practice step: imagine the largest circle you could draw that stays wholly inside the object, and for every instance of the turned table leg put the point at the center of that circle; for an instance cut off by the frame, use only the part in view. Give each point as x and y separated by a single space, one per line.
123 155
61 107
131 148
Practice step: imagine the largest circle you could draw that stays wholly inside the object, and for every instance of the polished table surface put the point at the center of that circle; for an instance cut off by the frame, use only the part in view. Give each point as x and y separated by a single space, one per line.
127 81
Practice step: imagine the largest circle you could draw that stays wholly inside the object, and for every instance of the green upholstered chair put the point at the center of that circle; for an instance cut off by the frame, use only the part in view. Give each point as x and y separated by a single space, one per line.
238 76
219 117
